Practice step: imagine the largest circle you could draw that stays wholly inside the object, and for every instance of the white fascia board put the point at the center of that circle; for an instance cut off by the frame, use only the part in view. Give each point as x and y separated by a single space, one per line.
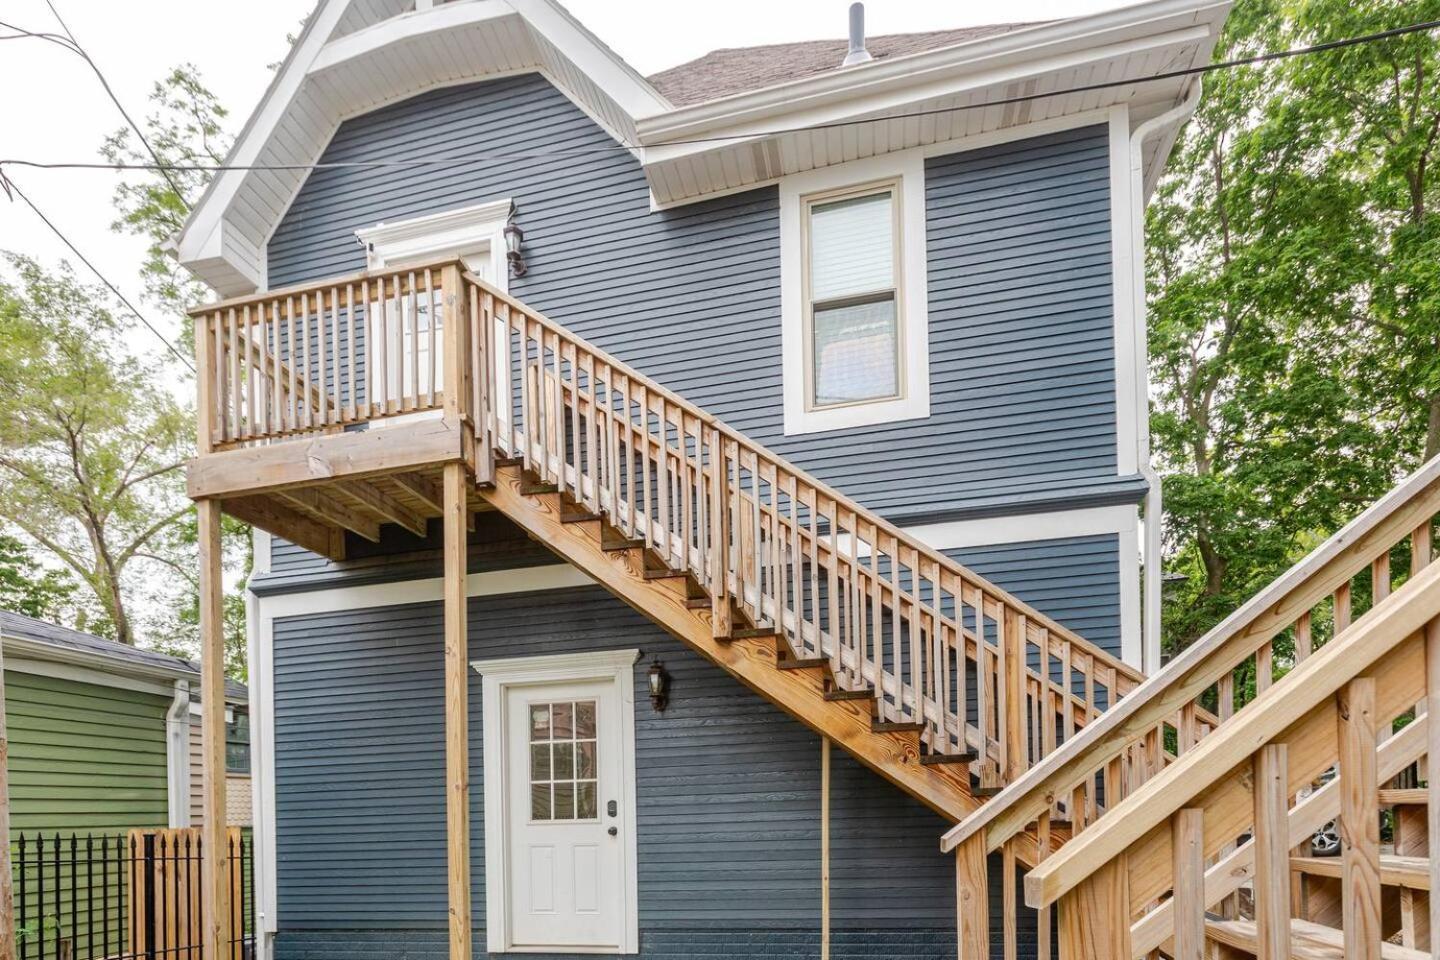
631 92
1106 31
82 672
406 26
872 99
201 237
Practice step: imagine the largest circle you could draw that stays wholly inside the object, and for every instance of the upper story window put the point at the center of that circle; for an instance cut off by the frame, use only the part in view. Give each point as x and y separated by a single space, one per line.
853 304
853 301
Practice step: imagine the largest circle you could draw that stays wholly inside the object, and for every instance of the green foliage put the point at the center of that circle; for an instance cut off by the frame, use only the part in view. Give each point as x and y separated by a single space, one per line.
1294 280
90 448
184 128
27 587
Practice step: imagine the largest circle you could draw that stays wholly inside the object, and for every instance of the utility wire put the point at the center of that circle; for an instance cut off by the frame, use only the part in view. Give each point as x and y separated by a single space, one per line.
68 42
11 187
467 158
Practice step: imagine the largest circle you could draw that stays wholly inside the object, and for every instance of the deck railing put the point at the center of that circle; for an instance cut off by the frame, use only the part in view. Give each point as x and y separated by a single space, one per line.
972 668
1156 871
1213 682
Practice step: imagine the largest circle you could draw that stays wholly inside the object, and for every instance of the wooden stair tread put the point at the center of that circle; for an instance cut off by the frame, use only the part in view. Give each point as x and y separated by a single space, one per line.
933 759
1309 941
1395 870
1411 796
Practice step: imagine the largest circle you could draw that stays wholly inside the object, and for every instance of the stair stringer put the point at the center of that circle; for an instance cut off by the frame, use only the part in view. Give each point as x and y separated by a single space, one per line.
894 755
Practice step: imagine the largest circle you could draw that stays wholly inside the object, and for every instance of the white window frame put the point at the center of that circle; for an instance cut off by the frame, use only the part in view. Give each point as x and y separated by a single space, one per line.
904 174
498 677
462 232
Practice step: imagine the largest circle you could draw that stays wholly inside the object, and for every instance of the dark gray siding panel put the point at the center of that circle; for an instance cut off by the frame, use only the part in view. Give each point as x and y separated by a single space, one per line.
728 787
1021 362
1076 580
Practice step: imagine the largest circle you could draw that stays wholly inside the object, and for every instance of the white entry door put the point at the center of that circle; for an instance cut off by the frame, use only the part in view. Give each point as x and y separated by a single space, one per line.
566 830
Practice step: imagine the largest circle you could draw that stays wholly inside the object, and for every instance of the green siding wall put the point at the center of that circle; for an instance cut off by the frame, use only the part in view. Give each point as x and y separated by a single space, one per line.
83 757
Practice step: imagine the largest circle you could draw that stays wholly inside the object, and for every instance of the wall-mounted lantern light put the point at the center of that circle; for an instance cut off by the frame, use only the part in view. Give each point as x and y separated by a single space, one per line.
659 685
514 244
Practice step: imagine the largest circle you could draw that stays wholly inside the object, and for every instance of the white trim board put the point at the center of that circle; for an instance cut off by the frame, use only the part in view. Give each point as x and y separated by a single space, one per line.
499 676
908 167
1122 520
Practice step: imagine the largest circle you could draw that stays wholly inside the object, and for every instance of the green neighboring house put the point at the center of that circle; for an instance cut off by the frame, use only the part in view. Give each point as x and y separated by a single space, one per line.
100 732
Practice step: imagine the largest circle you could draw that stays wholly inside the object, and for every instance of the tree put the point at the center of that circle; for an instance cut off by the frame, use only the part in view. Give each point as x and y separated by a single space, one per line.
27 587
1292 299
185 129
90 449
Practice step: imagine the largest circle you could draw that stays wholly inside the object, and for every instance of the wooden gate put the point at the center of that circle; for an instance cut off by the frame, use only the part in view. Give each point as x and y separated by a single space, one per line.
165 889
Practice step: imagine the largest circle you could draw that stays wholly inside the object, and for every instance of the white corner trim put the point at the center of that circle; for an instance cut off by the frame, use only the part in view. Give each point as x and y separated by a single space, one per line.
500 675
261 614
1125 261
914 403
177 755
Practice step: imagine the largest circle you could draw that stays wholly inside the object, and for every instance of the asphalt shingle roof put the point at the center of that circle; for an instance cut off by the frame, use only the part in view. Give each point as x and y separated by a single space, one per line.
102 651
724 73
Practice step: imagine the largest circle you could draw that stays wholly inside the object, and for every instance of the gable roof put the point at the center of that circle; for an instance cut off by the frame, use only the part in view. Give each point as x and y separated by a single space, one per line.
355 56
42 640
723 73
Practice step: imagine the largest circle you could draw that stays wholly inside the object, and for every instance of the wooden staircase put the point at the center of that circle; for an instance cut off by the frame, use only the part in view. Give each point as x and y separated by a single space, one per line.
1161 734
930 675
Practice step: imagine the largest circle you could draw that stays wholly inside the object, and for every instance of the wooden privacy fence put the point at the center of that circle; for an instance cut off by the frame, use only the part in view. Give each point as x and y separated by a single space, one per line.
165 917
122 897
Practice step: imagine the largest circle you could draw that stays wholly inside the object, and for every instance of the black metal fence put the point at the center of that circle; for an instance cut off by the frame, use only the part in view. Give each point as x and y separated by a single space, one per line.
123 897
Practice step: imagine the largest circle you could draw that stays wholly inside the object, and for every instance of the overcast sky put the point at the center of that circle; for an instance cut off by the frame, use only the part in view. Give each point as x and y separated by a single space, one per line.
54 110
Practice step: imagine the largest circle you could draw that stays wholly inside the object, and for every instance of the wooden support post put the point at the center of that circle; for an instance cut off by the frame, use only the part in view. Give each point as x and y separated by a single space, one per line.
215 847
1043 947
1012 673
720 622
1095 915
1187 829
972 899
824 848
1009 910
458 395
7 895
1359 820
1272 853
457 714
1432 732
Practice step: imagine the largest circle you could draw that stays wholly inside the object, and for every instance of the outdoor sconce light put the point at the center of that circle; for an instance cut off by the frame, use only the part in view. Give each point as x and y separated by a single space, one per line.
514 241
659 685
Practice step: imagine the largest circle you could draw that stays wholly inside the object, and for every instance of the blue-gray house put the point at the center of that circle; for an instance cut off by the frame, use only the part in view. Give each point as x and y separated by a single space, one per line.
678 499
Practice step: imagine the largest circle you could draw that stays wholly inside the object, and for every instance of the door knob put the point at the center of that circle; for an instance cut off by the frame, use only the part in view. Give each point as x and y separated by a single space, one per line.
613 831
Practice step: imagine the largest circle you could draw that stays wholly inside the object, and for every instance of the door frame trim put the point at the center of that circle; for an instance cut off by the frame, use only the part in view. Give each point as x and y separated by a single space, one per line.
498 676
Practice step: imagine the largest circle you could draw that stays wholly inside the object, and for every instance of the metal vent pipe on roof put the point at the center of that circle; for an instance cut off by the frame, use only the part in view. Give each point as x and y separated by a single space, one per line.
857 53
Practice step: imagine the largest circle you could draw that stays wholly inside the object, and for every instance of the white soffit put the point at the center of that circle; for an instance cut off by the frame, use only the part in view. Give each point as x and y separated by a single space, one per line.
357 55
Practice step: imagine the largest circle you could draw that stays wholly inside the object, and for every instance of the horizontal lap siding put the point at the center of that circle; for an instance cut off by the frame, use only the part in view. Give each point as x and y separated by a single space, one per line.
728 787
83 757
1022 367
1075 580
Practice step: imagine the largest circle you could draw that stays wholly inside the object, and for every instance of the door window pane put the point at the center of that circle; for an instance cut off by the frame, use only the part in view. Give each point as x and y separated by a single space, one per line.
563 761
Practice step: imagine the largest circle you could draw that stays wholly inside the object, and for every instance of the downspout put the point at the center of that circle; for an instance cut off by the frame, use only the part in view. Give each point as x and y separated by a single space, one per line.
177 755
1154 505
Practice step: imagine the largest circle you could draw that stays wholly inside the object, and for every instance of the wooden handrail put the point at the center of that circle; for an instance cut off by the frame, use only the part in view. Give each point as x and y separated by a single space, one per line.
761 535
1330 566
837 581
1398 618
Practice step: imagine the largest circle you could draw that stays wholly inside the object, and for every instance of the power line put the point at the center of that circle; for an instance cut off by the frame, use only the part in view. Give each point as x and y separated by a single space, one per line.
10 186
68 42
467 158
